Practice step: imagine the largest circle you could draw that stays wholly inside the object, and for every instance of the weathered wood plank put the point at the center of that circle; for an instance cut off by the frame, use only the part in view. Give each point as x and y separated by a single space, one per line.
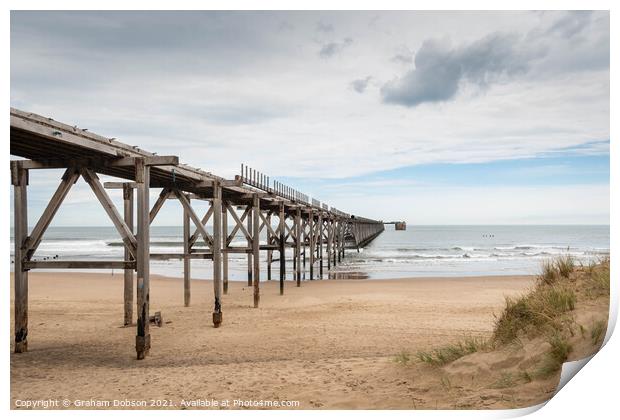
187 265
79 264
69 178
217 255
128 272
20 222
225 245
143 336
256 248
127 236
281 249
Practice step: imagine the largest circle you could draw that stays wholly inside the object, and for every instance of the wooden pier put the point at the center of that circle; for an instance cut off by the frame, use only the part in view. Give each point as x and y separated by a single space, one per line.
316 233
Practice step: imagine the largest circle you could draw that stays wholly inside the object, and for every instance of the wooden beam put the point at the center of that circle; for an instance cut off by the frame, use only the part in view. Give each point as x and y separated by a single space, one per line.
187 265
127 236
161 200
62 265
256 248
194 237
250 245
69 178
217 254
298 247
128 273
311 242
181 256
238 223
20 217
143 336
225 245
320 228
98 162
111 185
223 183
199 226
282 250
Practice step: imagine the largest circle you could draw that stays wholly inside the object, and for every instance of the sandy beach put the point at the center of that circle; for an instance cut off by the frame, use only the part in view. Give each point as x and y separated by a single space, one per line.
327 344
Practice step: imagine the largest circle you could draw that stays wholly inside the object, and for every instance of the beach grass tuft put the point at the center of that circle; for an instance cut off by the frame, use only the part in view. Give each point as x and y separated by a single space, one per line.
565 265
598 332
558 354
449 353
538 309
402 358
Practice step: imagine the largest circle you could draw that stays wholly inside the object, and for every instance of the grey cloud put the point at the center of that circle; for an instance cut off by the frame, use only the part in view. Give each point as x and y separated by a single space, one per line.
573 23
332 48
403 58
440 68
324 27
360 85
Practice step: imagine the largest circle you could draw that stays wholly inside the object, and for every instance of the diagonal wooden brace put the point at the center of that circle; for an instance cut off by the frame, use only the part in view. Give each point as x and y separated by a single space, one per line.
128 237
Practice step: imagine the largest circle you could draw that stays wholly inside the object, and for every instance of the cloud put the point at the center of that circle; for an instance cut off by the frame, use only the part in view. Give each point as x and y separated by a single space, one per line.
573 23
360 85
440 68
403 58
332 48
324 27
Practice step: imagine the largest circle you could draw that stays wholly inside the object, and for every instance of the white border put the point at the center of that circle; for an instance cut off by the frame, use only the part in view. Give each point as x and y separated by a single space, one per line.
593 394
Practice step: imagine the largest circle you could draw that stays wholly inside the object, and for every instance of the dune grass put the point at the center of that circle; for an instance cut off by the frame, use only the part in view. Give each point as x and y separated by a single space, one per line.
536 310
598 332
449 353
560 349
542 311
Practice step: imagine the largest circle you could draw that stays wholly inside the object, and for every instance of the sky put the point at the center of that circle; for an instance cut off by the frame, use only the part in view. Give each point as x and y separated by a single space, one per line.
429 117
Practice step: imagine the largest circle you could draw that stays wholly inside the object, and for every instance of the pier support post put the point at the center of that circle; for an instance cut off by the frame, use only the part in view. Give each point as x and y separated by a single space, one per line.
128 272
143 337
340 240
304 238
282 249
269 242
329 243
320 245
217 254
187 281
311 242
298 247
19 177
249 254
256 247
335 243
225 247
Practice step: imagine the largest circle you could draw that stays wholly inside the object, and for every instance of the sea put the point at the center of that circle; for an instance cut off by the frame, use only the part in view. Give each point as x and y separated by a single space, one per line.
419 251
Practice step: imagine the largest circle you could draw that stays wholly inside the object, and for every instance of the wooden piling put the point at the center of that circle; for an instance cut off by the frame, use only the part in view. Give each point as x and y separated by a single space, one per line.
256 248
187 281
329 243
20 218
128 272
321 232
250 246
216 249
269 242
311 242
298 247
225 247
143 337
282 248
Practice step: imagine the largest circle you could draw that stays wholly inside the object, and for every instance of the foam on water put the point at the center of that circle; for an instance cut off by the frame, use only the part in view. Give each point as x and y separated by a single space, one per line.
418 251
